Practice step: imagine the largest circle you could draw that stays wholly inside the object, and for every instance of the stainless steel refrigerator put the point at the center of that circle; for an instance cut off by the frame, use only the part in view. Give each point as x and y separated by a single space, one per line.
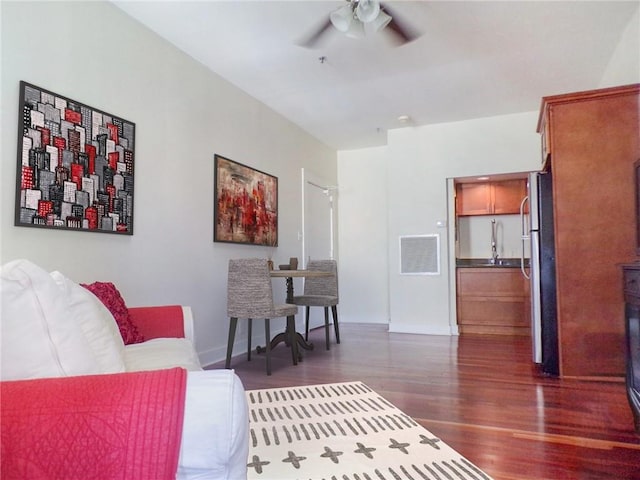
537 231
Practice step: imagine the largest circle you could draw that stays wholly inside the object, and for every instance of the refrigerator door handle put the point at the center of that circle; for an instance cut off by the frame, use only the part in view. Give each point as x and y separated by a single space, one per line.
536 306
525 236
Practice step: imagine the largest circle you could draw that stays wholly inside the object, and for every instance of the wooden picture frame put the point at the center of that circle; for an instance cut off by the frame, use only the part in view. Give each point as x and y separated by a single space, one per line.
245 204
75 165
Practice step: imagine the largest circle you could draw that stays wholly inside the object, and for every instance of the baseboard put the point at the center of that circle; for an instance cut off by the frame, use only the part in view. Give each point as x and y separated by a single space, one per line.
364 319
218 354
215 355
423 329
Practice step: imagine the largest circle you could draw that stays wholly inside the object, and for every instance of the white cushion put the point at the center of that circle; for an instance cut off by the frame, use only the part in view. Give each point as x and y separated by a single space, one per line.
159 353
215 431
38 337
96 322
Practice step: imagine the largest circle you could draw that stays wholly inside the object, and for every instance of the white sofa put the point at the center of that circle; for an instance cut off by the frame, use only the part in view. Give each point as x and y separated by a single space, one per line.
51 327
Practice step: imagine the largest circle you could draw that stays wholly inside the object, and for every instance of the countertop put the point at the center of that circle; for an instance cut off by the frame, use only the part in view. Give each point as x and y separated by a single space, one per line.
486 262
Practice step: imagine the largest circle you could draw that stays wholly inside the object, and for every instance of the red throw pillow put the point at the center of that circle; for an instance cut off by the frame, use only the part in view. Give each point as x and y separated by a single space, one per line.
111 298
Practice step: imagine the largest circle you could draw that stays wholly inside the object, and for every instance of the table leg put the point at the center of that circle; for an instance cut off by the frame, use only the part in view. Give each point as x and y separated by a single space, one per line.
291 325
299 338
289 281
284 338
291 330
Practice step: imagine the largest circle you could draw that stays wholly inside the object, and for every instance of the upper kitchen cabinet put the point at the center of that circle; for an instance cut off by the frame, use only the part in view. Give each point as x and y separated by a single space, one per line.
508 195
473 199
490 198
590 143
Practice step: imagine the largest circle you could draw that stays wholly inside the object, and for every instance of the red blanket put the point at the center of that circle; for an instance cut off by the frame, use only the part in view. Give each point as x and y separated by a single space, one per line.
121 426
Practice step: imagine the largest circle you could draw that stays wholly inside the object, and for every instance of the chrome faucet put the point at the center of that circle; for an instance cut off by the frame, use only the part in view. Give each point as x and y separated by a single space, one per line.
494 249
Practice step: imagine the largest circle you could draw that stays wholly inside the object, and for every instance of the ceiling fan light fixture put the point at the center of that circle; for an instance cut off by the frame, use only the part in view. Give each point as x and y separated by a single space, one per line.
367 10
381 21
342 18
356 29
358 18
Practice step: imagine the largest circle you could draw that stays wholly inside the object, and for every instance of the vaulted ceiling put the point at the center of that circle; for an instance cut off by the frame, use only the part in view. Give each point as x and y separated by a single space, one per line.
473 58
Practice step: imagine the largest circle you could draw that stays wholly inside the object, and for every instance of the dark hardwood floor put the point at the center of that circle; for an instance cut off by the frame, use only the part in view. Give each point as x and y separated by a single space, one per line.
480 394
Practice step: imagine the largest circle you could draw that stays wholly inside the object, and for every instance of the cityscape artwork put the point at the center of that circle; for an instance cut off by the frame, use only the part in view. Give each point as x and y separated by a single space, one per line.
246 204
75 165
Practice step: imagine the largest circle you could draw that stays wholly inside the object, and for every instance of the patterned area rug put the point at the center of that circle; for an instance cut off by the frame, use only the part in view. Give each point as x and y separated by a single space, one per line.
344 431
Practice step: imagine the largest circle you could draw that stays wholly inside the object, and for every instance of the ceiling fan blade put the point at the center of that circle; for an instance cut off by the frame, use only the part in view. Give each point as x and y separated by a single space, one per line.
402 31
312 39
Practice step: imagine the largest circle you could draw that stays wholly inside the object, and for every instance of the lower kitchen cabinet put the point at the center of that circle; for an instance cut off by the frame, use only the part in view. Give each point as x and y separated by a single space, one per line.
493 300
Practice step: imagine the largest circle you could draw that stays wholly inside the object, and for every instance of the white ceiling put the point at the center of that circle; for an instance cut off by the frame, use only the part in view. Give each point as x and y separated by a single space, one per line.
474 58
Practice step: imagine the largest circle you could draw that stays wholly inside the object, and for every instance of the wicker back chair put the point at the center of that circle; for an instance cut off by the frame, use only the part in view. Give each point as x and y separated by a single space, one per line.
250 296
321 292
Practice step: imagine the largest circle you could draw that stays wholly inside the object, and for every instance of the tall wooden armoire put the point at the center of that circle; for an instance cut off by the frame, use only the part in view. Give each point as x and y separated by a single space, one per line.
590 141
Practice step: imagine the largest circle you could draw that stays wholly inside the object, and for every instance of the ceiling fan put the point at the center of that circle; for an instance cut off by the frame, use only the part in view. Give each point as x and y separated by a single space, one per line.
359 16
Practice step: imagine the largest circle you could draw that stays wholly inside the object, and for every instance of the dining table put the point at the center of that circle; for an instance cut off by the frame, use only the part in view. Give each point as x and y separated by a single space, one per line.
289 275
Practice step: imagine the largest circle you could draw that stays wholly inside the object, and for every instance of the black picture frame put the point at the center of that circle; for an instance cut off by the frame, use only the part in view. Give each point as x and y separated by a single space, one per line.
245 204
75 165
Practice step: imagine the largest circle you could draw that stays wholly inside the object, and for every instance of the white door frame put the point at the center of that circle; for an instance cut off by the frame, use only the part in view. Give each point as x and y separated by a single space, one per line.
310 179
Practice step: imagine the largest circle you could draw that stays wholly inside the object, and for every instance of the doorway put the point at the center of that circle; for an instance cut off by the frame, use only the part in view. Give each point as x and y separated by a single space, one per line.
318 222
489 255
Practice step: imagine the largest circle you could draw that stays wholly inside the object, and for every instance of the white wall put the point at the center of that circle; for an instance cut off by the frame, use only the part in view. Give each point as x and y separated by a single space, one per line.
95 54
474 236
363 234
413 171
421 159
624 66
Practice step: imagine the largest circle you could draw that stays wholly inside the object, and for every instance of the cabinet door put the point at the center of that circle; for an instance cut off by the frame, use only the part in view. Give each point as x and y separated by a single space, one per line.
473 199
507 196
493 301
491 282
